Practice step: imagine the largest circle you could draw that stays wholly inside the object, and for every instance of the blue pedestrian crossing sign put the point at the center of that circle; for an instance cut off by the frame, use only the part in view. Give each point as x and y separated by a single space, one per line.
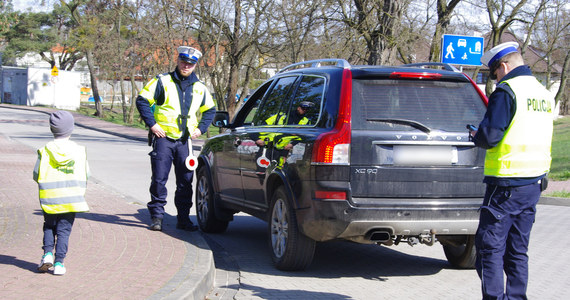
461 50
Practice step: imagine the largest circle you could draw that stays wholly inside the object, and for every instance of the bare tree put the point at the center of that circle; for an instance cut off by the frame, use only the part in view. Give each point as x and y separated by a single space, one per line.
444 14
87 15
563 94
238 31
502 14
376 21
298 20
552 37
416 29
335 39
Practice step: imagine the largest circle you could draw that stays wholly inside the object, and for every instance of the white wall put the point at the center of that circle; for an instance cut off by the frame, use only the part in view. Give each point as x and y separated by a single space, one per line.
62 91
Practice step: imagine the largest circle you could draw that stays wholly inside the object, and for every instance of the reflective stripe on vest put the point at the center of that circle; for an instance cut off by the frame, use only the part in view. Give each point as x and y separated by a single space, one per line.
167 114
524 150
62 188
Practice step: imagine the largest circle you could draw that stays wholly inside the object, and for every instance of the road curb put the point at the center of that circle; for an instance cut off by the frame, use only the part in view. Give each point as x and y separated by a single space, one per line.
195 278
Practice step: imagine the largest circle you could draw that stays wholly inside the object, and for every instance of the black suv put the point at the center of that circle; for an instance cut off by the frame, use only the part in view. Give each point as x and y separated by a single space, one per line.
325 150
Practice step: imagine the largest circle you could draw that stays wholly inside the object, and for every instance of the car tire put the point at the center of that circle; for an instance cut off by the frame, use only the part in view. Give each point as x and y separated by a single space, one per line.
290 249
205 210
462 256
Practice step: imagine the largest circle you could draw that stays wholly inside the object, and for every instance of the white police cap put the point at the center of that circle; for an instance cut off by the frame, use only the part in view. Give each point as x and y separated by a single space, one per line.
189 54
497 52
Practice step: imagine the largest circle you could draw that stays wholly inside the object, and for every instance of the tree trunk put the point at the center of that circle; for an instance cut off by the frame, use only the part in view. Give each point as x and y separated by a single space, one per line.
563 78
90 64
235 61
134 94
112 83
232 89
123 100
444 11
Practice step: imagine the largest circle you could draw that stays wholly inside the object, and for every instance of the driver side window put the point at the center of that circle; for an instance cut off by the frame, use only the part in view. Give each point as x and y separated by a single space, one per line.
269 111
249 109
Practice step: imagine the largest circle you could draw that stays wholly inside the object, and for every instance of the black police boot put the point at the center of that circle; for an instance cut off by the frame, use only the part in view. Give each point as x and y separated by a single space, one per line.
156 224
187 225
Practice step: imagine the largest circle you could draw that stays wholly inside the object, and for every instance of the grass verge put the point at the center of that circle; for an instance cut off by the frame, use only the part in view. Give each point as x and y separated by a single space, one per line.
559 194
560 167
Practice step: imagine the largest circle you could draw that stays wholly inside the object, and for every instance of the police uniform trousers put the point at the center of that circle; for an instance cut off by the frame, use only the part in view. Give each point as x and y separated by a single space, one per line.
505 222
167 152
57 226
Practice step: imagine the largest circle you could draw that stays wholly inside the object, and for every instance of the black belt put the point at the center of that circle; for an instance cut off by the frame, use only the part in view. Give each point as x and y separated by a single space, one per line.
182 139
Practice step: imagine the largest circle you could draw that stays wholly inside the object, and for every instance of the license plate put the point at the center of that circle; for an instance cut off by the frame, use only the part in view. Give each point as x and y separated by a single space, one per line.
424 155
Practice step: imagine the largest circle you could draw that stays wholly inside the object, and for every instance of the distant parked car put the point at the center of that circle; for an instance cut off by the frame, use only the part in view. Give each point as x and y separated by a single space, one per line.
370 154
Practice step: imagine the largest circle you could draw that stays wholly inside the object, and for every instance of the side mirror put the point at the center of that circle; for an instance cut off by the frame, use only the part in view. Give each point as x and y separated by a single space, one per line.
221 119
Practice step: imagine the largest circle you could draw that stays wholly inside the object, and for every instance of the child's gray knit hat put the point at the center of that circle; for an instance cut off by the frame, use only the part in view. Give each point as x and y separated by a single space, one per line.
61 123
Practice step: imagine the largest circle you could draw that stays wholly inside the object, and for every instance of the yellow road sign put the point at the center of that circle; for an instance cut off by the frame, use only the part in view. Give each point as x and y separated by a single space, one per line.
54 71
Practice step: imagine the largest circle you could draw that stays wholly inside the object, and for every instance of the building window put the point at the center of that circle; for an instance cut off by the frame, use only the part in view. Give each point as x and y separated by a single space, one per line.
482 77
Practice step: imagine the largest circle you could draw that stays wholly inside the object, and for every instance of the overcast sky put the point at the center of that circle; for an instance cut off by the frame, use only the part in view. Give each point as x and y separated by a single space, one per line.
34 5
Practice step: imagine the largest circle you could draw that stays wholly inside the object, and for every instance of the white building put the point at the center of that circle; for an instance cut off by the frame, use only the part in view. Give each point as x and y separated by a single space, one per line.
40 87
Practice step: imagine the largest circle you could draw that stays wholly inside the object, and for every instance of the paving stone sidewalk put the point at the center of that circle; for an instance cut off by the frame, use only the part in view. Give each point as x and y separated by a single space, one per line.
112 254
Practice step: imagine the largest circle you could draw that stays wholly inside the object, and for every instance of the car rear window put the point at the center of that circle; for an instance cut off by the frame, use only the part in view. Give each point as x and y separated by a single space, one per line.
438 105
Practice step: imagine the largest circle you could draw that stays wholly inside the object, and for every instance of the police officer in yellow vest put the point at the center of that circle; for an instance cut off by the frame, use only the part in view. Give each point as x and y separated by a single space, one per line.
296 117
517 133
61 172
177 98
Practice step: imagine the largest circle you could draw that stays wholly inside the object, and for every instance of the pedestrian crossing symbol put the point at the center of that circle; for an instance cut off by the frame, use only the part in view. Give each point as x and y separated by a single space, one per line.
462 50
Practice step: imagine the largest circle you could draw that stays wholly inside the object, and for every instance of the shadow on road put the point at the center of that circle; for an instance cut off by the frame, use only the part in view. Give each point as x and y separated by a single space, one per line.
247 245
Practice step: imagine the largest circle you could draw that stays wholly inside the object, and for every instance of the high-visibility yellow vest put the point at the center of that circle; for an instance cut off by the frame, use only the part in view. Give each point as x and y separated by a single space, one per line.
168 114
62 178
524 150
281 121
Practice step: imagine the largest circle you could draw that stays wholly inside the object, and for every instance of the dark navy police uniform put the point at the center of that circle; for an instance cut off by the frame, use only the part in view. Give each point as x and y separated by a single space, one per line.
191 96
509 207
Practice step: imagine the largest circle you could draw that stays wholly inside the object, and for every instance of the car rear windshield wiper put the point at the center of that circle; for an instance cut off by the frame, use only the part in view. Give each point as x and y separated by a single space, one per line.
414 124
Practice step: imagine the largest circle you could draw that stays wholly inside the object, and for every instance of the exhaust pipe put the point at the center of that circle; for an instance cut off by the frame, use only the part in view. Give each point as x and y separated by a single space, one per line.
379 236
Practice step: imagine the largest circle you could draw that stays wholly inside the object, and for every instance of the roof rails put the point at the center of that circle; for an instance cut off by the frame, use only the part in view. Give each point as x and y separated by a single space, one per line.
446 67
318 62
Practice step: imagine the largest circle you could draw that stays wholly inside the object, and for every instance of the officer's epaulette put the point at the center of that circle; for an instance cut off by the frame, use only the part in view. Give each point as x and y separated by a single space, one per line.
507 88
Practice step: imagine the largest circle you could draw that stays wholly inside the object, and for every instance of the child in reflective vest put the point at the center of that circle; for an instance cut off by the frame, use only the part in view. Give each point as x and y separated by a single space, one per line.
61 172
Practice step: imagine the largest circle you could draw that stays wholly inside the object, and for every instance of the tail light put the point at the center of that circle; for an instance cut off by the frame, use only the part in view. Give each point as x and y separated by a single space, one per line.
333 147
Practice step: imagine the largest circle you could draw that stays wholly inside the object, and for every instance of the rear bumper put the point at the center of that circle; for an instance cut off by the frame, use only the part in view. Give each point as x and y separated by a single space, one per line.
326 220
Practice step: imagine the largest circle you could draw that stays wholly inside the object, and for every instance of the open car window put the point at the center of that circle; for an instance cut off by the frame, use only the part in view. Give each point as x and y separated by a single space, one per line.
306 105
271 110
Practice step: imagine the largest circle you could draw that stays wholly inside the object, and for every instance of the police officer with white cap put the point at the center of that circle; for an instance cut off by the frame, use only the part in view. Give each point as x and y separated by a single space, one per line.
517 133
169 104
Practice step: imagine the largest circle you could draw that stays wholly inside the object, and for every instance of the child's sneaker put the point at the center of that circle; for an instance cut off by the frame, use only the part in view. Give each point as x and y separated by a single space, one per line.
46 263
59 269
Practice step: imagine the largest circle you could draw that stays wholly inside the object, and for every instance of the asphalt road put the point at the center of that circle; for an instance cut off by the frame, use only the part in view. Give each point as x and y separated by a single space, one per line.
340 270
